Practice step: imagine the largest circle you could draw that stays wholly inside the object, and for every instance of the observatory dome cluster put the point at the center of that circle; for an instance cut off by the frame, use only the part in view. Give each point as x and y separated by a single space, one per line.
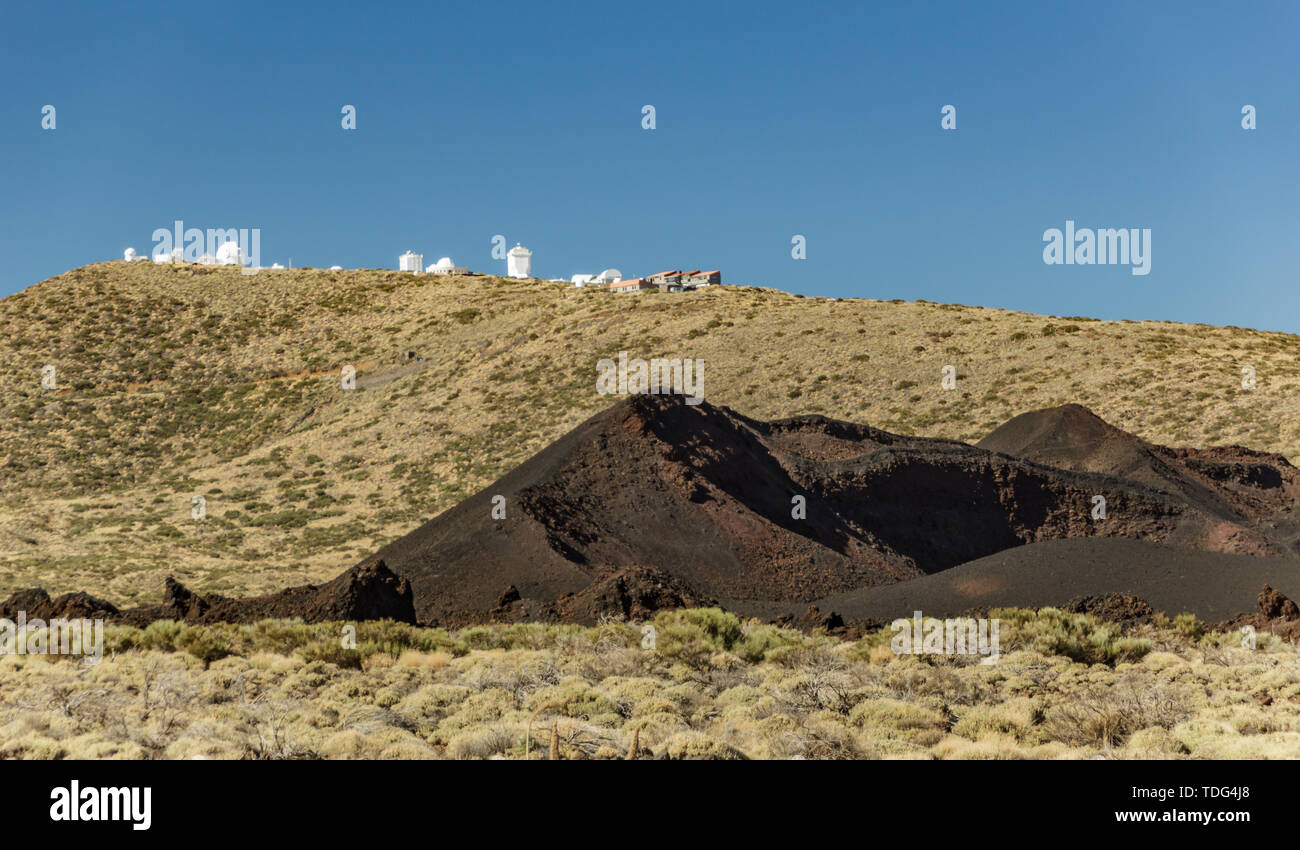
517 264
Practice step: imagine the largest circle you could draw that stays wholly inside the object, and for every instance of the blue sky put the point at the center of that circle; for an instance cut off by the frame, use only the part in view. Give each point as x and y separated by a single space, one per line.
524 119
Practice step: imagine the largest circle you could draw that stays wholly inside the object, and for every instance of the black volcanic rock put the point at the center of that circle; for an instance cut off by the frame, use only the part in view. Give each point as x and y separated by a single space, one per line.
1115 607
36 604
1239 485
704 495
368 591
1274 605
655 504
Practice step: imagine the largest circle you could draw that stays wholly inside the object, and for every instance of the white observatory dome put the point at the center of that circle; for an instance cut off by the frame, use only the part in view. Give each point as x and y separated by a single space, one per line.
230 254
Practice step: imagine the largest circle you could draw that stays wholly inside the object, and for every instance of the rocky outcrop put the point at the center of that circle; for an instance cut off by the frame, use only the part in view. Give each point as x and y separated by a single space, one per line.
1274 605
1277 615
1114 607
36 604
368 591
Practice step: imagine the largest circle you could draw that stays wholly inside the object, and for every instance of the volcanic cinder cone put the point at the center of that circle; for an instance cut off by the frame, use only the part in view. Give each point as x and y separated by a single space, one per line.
696 503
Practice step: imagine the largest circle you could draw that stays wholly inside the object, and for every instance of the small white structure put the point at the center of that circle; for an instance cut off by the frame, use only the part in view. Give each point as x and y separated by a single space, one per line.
276 266
230 254
411 262
176 256
605 278
446 266
129 255
336 268
519 262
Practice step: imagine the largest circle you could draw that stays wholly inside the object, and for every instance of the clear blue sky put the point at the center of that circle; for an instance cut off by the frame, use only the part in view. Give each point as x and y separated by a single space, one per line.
773 119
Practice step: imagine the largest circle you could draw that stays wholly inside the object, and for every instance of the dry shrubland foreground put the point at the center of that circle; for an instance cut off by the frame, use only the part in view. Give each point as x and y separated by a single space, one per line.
1065 686
641 599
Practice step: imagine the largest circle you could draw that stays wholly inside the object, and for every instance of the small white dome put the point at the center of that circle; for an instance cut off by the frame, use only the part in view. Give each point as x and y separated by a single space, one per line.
336 268
129 255
230 254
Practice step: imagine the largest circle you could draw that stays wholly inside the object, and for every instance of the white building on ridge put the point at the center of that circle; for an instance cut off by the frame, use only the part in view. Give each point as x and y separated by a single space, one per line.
605 278
230 254
519 262
446 266
411 262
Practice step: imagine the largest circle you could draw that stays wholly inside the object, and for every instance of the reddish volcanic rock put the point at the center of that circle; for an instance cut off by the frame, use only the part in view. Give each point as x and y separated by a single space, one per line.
1274 605
36 604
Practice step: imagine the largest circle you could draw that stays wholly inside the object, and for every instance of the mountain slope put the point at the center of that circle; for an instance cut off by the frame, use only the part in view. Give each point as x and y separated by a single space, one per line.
704 497
1237 484
185 381
1211 585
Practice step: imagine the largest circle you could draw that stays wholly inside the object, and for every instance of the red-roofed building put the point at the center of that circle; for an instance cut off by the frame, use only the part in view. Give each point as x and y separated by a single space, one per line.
678 281
634 285
710 278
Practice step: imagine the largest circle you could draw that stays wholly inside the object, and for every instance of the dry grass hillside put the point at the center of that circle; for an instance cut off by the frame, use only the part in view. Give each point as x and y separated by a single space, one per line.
180 381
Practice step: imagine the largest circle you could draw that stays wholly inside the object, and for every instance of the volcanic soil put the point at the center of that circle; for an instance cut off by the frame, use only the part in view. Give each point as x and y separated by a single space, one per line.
656 503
